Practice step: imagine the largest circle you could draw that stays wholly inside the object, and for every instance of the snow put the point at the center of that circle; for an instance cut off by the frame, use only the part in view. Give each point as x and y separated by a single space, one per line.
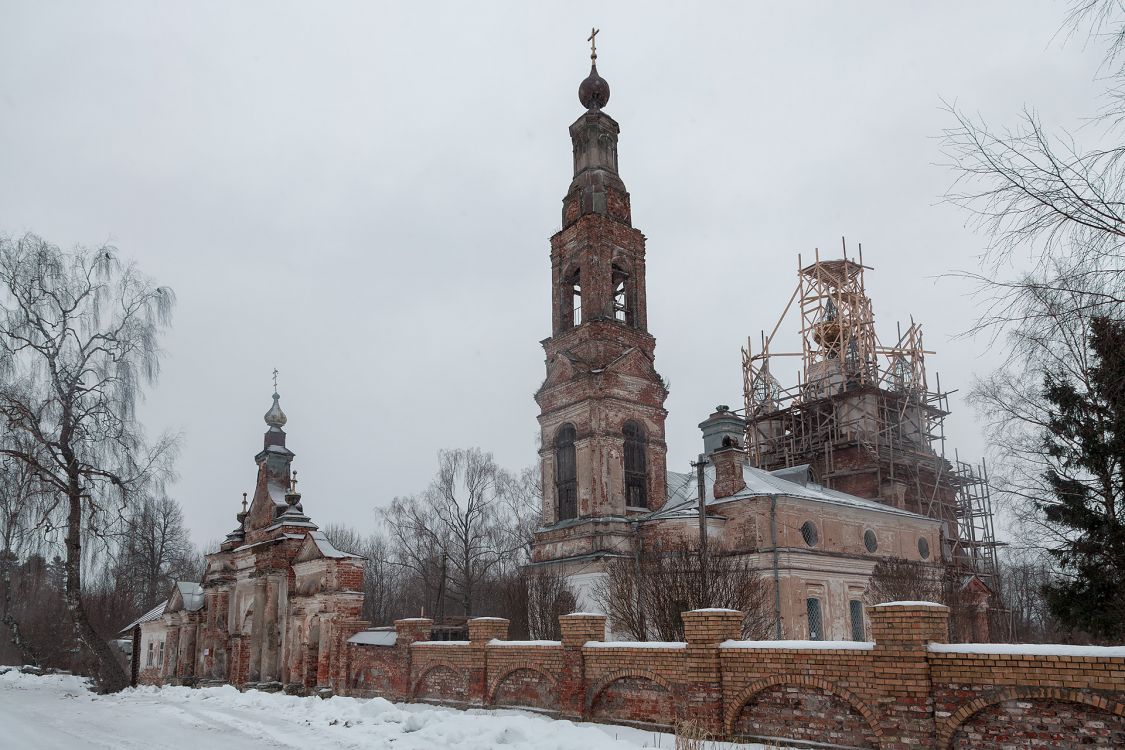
1033 649
375 637
807 645
440 643
714 609
585 614
57 712
909 604
498 642
635 644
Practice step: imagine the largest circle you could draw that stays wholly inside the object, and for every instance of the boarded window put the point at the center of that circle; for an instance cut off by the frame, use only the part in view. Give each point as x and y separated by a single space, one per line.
816 622
566 472
856 611
636 478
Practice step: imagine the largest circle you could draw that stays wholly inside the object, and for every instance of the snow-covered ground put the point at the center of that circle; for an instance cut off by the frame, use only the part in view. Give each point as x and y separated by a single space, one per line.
58 712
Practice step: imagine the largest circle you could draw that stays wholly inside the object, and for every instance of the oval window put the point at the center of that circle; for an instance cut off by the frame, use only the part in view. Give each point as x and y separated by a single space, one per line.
808 533
924 548
870 541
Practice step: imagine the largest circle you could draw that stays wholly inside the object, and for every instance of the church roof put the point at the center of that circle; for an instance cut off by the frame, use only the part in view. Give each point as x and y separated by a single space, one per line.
683 495
192 595
326 547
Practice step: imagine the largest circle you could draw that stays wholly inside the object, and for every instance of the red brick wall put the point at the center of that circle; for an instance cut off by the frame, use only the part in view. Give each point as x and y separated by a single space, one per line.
634 700
892 695
1060 725
803 713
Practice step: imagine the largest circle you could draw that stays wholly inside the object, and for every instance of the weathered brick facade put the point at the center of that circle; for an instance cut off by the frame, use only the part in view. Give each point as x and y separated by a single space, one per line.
277 602
904 690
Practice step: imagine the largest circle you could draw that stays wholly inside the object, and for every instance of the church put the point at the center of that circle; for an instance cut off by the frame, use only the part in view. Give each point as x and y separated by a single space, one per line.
607 491
279 606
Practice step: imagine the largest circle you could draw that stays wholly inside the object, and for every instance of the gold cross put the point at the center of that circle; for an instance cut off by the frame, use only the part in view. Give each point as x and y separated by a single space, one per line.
275 380
593 43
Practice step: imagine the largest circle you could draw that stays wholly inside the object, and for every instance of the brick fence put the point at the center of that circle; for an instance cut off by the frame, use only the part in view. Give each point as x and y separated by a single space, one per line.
907 689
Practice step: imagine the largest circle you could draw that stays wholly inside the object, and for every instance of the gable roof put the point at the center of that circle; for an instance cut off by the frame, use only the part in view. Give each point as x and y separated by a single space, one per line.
153 614
317 545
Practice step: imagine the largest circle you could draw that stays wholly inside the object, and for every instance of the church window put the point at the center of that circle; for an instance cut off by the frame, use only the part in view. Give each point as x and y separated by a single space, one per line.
809 533
923 548
572 301
160 655
870 541
855 609
636 477
622 293
816 620
566 472
148 658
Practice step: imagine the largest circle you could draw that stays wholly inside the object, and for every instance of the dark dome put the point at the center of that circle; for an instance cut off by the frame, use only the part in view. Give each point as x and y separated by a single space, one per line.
594 91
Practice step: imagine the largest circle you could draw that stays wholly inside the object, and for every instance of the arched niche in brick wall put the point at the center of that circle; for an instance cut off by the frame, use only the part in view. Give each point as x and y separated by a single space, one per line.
524 686
1065 719
806 708
442 681
634 697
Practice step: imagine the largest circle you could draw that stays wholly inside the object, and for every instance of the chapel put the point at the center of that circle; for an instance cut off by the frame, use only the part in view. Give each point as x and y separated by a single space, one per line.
266 612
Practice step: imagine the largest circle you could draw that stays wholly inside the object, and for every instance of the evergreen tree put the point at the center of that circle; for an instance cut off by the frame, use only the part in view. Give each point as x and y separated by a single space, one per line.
1084 439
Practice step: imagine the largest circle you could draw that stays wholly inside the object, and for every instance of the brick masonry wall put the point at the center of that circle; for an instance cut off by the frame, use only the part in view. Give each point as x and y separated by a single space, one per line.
891 695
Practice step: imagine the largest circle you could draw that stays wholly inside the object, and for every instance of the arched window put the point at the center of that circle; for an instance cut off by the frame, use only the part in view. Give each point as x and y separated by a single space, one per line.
566 472
636 484
622 293
572 301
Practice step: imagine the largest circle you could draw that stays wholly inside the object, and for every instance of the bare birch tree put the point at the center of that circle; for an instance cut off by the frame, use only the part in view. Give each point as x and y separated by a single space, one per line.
78 340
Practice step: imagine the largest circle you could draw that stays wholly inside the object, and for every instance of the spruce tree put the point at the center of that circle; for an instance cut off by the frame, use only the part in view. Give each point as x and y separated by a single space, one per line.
1085 440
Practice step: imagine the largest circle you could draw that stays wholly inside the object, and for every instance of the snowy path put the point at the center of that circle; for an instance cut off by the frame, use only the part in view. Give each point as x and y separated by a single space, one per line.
57 712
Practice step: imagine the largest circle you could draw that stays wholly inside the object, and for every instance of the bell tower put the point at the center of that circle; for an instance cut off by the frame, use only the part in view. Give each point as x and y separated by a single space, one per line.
602 402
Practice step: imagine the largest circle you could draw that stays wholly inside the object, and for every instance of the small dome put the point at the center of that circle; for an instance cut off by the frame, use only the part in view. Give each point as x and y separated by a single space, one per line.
594 91
275 417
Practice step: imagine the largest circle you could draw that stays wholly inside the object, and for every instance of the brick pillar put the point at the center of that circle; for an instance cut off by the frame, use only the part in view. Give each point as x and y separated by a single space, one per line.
408 631
577 629
171 653
324 652
728 461
481 631
186 652
902 633
412 629
704 630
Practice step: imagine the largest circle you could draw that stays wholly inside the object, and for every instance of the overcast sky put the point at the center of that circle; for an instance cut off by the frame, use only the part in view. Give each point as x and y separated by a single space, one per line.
361 195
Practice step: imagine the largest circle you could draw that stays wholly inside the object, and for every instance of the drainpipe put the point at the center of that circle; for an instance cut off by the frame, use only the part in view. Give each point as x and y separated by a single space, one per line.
776 572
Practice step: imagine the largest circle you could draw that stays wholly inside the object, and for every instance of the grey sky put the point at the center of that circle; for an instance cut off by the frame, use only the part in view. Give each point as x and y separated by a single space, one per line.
361 195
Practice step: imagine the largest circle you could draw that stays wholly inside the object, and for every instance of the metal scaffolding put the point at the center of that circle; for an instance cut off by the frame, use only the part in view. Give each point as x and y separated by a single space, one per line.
862 413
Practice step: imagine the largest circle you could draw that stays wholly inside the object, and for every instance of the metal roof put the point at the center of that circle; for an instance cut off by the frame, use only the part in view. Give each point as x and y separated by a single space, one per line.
683 495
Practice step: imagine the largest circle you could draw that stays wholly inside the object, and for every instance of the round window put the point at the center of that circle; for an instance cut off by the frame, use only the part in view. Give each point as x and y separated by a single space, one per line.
924 548
870 541
808 532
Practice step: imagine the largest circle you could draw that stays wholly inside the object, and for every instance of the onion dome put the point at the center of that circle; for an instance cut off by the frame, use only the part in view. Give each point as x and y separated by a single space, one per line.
275 417
594 91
